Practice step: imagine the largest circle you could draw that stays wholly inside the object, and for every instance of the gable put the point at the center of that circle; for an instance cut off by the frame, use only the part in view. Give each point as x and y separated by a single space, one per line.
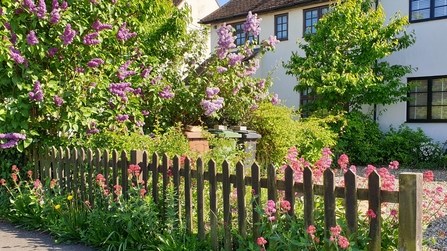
235 9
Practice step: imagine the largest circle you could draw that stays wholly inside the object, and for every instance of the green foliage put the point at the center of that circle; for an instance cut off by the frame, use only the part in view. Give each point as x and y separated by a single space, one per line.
360 138
412 148
280 131
343 63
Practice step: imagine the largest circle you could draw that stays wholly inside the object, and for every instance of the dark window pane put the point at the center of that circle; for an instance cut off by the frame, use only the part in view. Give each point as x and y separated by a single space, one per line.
417 113
439 98
441 11
418 99
439 112
420 4
440 3
421 14
439 84
423 85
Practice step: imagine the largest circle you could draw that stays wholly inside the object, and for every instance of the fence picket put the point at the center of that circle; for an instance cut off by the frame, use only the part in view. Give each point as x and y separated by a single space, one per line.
115 167
145 170
226 193
374 205
241 213
213 205
154 169
256 193
308 191
329 201
351 208
200 198
271 182
164 177
176 180
289 193
90 179
60 170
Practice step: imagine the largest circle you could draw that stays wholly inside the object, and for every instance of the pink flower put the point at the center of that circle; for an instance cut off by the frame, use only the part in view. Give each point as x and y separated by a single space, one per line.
343 161
261 241
428 176
142 192
370 213
31 38
285 205
134 169
335 231
275 100
393 165
3 182
343 242
311 229
123 33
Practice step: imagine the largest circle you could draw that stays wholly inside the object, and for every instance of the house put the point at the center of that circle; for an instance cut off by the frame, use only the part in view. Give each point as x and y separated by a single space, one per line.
199 9
289 19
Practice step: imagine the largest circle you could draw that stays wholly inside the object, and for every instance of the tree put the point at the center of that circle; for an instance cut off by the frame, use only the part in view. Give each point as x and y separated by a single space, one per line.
345 63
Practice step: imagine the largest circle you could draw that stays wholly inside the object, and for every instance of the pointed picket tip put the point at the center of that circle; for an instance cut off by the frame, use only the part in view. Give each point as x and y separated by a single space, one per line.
165 156
350 174
225 162
211 162
255 165
239 164
328 171
155 155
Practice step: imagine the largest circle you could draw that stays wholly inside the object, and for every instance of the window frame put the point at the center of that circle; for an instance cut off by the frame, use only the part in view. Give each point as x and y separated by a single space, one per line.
431 9
319 15
287 26
305 98
247 36
429 100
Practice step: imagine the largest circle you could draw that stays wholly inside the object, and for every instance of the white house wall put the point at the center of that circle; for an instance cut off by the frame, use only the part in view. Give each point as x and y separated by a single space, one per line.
428 55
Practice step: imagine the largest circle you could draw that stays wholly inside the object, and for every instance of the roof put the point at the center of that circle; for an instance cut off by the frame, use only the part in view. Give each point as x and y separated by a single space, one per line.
239 8
177 2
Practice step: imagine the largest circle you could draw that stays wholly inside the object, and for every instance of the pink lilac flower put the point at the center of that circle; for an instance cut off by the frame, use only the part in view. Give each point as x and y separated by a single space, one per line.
31 38
123 73
41 9
251 69
261 241
7 26
211 106
369 169
16 56
94 2
114 1
254 107
121 89
139 123
64 5
55 4
55 16
123 33
221 69
89 39
226 40
145 113
122 118
251 25
52 51
235 58
30 5
156 79
271 42
275 100
261 84
95 62
79 69
211 92
37 94
98 26
393 165
166 93
58 101
68 35
145 73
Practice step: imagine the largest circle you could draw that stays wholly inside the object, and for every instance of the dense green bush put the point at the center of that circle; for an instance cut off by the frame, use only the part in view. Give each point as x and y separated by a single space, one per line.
281 130
359 138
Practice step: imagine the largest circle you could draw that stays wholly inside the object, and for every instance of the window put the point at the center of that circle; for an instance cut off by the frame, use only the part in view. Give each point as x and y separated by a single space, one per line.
429 102
282 26
422 10
311 17
241 36
305 98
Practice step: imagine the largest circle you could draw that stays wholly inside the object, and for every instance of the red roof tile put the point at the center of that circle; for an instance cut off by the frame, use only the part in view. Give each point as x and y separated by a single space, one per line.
239 8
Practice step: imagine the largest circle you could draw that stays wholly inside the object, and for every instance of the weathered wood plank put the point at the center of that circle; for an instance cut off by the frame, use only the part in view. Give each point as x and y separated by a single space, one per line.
241 213
188 196
154 168
213 205
271 183
351 208
308 197
289 192
256 193
200 199
374 205
329 201
226 193
176 180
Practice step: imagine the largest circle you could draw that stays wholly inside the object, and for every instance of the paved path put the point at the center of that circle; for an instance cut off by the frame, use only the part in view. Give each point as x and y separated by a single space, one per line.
19 239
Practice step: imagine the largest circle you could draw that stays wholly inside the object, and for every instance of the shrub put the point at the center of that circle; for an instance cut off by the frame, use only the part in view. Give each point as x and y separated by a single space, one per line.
280 130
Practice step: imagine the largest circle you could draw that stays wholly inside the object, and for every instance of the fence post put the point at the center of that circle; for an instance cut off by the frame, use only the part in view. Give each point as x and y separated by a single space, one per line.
410 218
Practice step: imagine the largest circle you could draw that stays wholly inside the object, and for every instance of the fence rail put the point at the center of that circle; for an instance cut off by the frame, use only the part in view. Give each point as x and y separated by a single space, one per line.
75 170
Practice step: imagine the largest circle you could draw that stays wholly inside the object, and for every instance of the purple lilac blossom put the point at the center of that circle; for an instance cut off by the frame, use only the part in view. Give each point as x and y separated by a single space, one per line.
120 89
98 26
251 25
68 35
7 26
139 123
94 2
55 4
41 9
31 38
221 69
58 101
123 73
89 39
211 92
91 131
95 62
155 80
55 16
166 93
275 100
123 33
15 54
250 70
30 5
145 73
1 11
235 90
122 118
114 1
271 42
20 10
37 94
52 51
145 113
137 91
211 106
64 5
13 139
13 38
254 107
261 84
235 58
79 69
226 40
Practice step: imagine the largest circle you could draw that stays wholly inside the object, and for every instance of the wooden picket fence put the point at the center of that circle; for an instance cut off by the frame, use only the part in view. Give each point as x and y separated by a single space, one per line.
75 169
